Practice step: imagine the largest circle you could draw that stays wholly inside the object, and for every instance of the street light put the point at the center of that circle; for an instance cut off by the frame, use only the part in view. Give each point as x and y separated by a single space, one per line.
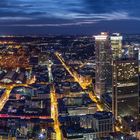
132 120
41 136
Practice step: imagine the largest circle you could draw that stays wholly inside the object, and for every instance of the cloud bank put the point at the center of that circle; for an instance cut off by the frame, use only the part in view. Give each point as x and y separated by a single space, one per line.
60 13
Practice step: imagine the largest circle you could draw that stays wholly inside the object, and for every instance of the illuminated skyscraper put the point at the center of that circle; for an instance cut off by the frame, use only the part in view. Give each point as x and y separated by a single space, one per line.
125 87
103 64
116 45
117 78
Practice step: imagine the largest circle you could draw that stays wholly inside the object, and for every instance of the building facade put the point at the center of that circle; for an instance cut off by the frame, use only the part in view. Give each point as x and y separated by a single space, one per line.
116 45
103 64
125 87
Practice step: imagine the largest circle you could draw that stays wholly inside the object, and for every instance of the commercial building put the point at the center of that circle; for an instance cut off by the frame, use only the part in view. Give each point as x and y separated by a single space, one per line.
117 80
125 87
103 60
76 106
87 127
116 45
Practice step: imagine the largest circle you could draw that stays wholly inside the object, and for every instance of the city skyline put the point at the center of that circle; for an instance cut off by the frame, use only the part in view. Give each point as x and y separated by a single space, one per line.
68 17
69 70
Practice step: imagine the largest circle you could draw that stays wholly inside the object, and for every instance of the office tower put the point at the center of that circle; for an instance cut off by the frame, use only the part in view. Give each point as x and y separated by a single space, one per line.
116 45
103 74
125 87
117 80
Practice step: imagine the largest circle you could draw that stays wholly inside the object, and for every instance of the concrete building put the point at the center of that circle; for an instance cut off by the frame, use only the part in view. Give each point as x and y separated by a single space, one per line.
9 77
87 127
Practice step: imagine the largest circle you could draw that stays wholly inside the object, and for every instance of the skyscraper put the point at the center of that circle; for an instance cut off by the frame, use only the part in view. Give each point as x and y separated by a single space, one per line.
116 45
125 87
117 80
103 64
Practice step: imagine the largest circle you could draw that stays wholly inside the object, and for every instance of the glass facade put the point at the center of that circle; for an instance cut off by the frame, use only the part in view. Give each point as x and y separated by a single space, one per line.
103 66
126 85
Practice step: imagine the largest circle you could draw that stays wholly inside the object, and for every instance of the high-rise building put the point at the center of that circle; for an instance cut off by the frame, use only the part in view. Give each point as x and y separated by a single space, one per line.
116 45
103 74
117 80
125 96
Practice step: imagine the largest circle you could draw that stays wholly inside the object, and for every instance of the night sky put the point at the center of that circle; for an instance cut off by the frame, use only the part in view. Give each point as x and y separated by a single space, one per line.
69 16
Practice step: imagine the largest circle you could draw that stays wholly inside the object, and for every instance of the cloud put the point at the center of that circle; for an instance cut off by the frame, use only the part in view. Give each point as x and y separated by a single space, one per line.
69 9
79 19
50 25
59 13
15 18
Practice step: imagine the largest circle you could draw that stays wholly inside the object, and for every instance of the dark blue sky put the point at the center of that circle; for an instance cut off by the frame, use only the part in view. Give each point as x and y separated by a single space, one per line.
69 16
